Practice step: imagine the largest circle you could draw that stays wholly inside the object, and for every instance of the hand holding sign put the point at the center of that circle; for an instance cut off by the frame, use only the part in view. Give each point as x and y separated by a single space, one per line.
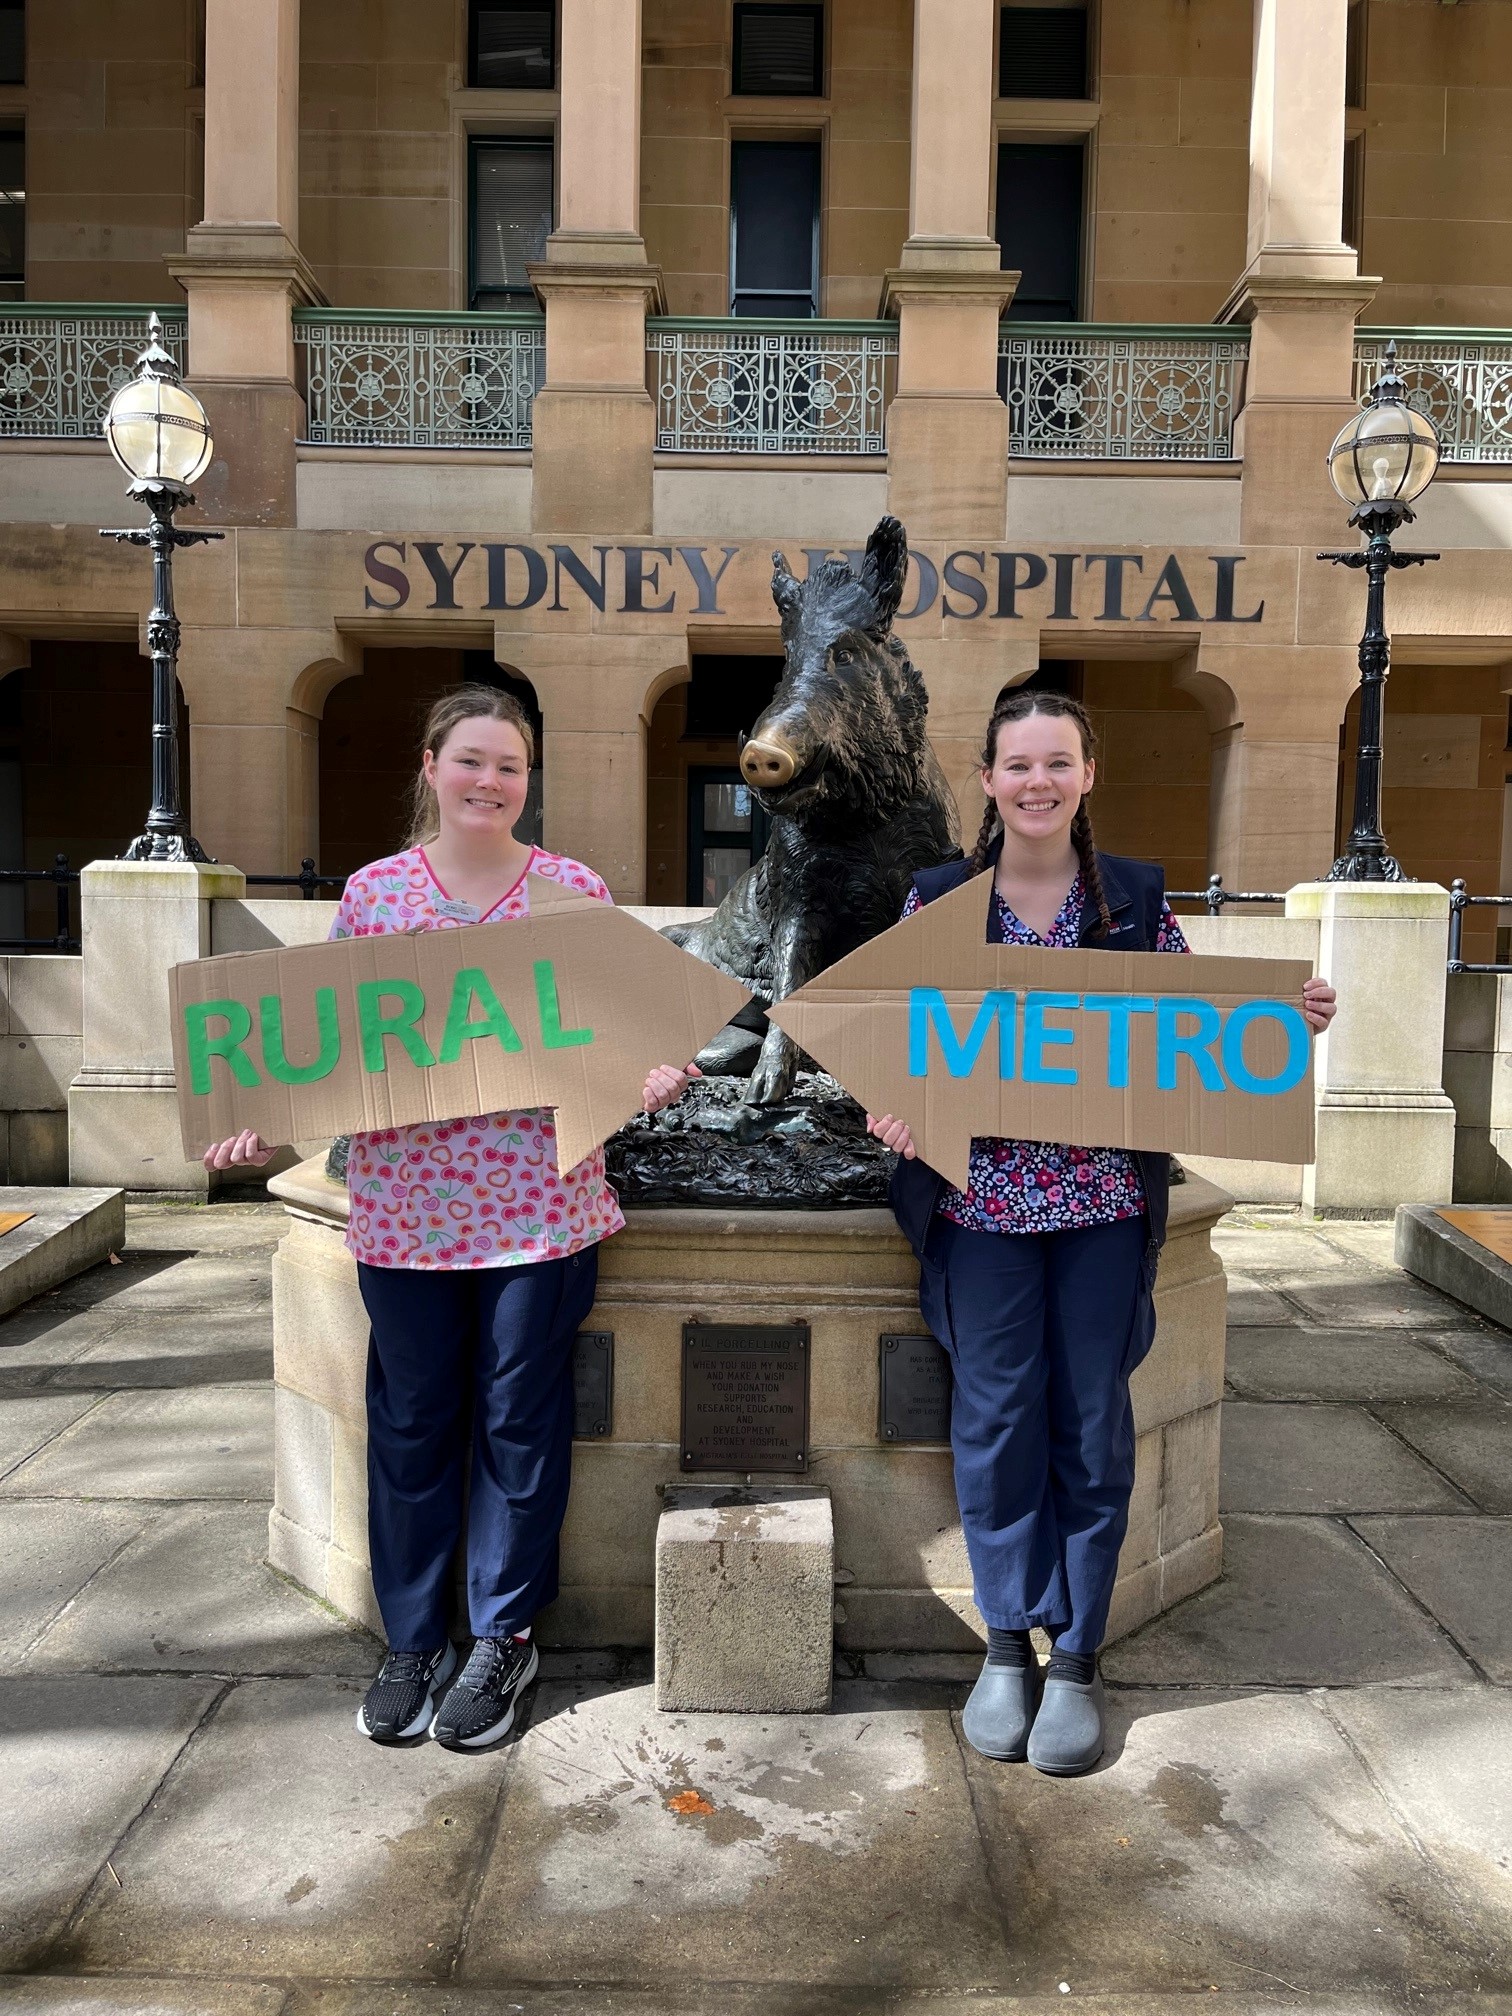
950 1037
574 1007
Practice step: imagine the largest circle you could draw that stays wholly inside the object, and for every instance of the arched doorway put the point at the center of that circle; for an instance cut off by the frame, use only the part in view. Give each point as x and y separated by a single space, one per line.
703 827
75 767
370 742
1445 761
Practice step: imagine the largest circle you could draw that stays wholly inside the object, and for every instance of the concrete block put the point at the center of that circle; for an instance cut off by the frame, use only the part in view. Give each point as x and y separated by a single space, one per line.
1191 1567
923 1620
69 1230
128 1134
1189 1478
1184 1370
599 1616
297 1552
38 1149
744 1600
302 1462
36 1072
349 1586
1447 1258
348 1527
1136 1599
1470 1012
1377 1150
1467 1080
1142 1540
46 994
1479 1172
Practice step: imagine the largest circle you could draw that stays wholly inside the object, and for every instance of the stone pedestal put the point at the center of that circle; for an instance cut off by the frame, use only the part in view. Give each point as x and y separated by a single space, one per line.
744 1600
139 919
1385 1123
900 1561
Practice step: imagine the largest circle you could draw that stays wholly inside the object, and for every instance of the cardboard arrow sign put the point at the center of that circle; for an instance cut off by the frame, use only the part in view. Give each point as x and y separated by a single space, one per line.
567 1008
1108 1049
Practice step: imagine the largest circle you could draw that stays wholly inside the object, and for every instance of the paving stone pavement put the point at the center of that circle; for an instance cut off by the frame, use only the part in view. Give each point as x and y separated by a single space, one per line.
1307 1799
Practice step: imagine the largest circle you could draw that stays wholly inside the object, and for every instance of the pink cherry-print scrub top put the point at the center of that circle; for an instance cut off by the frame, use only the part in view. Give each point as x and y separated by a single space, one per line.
484 1192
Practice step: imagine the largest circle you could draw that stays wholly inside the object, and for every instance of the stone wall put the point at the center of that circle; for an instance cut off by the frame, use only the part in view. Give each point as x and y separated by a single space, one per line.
114 112
903 1578
1478 1078
41 1046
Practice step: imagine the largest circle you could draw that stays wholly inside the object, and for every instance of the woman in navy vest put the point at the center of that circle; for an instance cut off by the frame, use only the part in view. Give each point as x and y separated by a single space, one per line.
1039 1278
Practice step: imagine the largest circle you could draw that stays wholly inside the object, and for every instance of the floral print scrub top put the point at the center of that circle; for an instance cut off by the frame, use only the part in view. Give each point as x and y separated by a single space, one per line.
484 1192
1048 1186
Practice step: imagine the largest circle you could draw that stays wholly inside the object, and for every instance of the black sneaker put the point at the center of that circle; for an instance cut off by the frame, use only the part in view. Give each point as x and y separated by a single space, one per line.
480 1704
401 1701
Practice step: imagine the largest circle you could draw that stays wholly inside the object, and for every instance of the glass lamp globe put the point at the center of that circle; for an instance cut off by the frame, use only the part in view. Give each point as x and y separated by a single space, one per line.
155 426
1388 453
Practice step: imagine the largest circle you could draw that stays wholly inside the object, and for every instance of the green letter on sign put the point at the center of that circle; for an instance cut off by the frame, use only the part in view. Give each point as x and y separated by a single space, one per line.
553 1035
203 1046
375 1025
472 981
276 1057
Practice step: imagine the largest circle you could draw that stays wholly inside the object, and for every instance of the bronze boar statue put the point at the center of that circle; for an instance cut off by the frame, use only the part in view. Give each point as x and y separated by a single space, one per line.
841 761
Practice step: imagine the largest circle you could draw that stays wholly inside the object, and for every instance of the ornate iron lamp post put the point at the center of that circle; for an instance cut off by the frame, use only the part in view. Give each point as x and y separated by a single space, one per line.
1380 464
158 432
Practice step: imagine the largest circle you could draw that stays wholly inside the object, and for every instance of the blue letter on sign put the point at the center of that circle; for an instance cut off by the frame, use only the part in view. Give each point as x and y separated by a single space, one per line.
1196 1044
1037 1039
1118 1008
926 1008
1298 1046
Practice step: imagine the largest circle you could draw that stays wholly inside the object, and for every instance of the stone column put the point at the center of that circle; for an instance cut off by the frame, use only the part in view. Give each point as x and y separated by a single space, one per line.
594 422
597 694
1301 290
139 918
947 429
1274 715
1385 1124
242 268
255 698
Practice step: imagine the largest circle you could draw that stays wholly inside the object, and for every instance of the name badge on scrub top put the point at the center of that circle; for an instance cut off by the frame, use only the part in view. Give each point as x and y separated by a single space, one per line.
459 912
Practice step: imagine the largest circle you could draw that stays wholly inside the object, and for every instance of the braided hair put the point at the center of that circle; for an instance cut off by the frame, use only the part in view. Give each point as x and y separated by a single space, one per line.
1017 705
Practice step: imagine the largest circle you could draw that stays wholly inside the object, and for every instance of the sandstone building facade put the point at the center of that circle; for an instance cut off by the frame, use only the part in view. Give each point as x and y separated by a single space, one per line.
527 331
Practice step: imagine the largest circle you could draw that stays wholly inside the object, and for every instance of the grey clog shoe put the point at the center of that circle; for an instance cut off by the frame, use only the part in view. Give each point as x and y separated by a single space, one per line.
998 1715
1067 1737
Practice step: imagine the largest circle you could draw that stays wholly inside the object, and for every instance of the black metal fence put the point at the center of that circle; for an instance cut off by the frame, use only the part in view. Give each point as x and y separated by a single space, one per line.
64 880
307 882
1216 898
1459 903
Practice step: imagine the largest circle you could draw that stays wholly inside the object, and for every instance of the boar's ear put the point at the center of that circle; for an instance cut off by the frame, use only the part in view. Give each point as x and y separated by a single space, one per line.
883 571
786 592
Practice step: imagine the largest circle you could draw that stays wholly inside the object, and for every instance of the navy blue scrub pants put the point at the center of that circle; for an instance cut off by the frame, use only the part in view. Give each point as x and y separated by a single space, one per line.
503 1336
1042 1330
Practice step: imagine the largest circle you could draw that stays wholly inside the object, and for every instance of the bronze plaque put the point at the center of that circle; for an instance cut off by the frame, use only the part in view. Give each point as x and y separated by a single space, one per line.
913 1388
592 1385
745 1396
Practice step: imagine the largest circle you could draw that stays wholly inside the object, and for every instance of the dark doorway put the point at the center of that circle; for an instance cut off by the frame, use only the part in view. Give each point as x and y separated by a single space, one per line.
774 227
727 831
1039 227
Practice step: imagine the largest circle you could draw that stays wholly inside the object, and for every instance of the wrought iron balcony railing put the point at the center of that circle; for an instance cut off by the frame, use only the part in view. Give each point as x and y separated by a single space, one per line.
1101 392
1461 378
387 380
62 363
750 386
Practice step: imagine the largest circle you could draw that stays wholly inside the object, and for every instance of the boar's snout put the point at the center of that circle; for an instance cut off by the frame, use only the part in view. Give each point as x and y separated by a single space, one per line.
767 764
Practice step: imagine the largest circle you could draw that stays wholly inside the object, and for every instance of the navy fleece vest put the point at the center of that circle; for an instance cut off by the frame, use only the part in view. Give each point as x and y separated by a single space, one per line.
1136 893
